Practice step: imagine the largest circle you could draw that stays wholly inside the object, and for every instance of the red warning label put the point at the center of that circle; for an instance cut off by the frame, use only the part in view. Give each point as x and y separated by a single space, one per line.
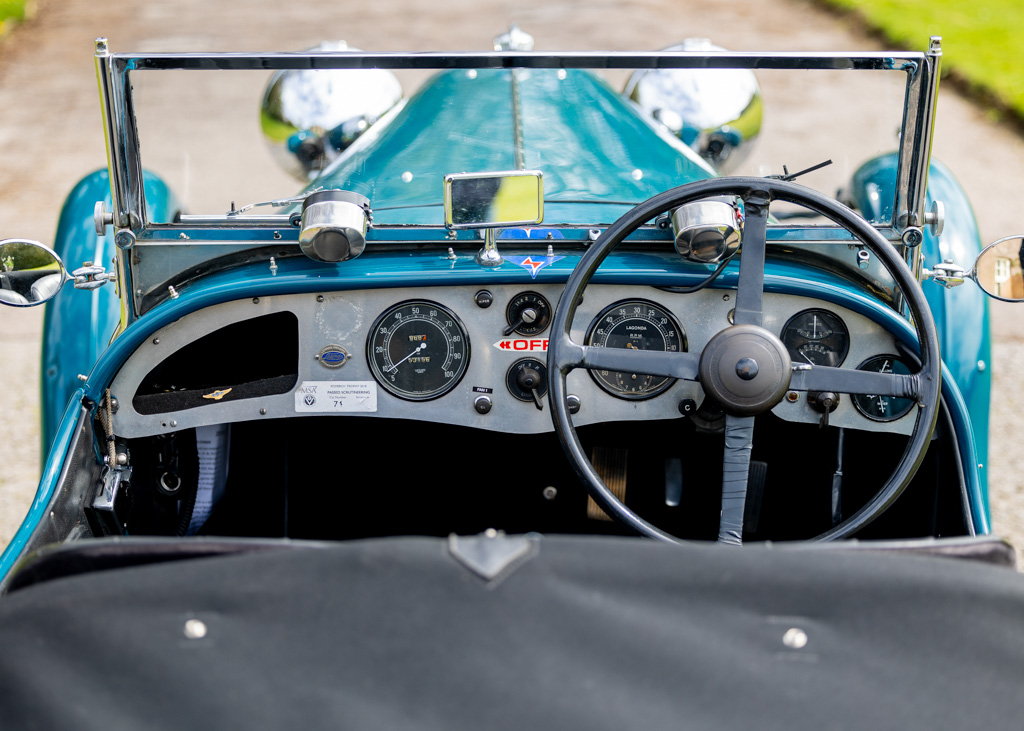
523 345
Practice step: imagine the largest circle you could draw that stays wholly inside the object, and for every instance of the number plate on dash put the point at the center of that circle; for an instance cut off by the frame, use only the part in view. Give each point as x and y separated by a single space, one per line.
336 396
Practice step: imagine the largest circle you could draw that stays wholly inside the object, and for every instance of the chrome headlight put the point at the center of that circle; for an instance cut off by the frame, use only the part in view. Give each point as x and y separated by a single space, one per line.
717 112
309 116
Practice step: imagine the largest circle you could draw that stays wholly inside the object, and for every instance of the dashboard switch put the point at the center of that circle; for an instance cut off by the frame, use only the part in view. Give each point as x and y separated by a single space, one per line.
482 404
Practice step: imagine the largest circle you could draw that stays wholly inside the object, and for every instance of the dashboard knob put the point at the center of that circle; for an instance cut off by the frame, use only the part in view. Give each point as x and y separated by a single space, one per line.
482 404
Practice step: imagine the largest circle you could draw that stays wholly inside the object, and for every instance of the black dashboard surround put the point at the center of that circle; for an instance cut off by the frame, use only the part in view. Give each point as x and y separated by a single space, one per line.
246 359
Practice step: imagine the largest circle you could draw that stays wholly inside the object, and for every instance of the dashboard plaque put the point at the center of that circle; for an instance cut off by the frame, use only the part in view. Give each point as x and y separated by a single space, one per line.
339 397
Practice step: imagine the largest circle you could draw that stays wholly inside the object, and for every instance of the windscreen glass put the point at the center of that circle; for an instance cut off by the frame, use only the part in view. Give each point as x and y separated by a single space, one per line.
603 139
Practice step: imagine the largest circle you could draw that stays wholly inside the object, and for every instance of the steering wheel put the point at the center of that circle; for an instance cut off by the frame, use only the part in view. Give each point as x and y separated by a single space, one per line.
745 367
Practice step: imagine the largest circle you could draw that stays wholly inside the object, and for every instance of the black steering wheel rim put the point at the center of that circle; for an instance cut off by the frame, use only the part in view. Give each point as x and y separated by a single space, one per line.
564 355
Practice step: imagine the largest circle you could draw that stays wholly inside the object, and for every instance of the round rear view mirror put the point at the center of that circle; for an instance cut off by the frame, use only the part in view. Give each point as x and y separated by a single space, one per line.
999 269
30 273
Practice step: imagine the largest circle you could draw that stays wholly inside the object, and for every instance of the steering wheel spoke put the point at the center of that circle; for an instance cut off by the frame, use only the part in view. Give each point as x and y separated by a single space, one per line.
739 439
749 290
847 380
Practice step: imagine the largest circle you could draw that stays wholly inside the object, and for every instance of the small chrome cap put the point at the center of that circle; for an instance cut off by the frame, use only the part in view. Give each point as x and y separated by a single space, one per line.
706 231
333 225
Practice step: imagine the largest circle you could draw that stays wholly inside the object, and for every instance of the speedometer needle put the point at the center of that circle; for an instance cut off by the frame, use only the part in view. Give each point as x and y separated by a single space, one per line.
415 350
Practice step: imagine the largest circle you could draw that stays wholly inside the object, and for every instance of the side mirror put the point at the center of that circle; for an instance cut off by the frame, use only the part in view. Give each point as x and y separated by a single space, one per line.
30 273
999 269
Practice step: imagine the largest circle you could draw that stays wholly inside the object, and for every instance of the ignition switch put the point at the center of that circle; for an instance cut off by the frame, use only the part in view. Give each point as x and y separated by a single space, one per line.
528 314
527 381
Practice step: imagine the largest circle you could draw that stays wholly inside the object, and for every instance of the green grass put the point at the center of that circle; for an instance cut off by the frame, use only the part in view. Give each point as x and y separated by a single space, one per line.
12 9
13 12
979 39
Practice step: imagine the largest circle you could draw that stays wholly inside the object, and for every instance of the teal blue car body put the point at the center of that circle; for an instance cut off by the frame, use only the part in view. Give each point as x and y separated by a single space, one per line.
600 156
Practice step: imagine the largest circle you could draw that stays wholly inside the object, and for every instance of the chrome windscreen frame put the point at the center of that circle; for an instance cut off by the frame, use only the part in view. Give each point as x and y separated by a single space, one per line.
125 166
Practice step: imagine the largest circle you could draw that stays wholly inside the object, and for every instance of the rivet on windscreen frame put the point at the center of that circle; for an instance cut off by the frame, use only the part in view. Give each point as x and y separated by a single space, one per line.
255 300
195 629
795 638
319 298
172 291
263 412
725 298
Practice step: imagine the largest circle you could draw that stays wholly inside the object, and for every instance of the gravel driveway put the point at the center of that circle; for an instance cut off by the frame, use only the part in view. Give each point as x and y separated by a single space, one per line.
51 135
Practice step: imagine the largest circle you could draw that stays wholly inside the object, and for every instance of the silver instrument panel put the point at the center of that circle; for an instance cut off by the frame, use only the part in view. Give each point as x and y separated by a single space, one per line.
346 319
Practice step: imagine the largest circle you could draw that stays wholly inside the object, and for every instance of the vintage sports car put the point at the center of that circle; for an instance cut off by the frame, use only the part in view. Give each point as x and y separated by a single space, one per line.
377 454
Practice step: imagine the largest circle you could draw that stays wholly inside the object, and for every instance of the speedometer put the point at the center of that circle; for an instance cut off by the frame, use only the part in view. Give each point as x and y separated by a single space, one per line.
639 325
418 350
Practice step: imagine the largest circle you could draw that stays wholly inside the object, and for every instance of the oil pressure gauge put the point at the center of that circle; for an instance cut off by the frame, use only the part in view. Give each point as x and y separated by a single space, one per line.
817 337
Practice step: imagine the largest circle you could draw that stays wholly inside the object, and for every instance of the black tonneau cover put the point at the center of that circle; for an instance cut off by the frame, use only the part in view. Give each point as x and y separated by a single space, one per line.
569 633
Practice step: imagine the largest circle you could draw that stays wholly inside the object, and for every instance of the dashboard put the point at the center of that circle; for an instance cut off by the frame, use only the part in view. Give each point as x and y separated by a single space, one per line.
471 356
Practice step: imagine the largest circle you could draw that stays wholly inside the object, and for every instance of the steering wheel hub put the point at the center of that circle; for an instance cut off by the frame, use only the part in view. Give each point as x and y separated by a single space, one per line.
746 369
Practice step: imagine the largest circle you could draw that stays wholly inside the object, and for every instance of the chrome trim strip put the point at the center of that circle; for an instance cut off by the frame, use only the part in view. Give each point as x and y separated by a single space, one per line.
516 59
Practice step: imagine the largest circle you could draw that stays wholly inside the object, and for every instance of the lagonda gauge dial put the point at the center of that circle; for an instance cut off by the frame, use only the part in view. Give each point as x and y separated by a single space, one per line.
640 325
817 337
883 408
418 350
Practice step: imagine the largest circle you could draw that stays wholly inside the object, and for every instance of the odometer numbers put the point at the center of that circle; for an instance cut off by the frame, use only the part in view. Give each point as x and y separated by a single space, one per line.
418 350
816 337
883 408
640 325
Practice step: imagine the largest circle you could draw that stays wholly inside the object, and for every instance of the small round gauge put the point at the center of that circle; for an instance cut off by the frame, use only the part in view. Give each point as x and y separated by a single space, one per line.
527 313
640 325
817 337
418 350
883 408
